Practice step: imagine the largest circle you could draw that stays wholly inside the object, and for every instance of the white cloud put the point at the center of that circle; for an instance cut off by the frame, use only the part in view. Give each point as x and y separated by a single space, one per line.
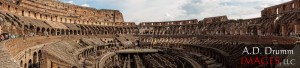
85 5
162 10
71 2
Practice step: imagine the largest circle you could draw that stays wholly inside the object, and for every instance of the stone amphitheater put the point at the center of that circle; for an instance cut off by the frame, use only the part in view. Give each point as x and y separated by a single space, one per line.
53 34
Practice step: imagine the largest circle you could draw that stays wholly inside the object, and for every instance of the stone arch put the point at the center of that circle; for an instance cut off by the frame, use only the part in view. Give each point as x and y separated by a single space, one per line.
58 31
21 63
71 32
39 58
31 27
79 32
45 17
39 55
8 7
56 18
68 32
38 29
48 31
30 64
51 18
41 16
26 29
62 32
75 32
35 15
35 58
29 13
43 31
61 19
25 65
105 32
23 13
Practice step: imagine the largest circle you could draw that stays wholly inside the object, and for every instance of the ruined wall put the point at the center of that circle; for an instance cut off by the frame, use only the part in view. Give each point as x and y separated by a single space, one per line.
284 25
55 11
215 19
168 27
281 8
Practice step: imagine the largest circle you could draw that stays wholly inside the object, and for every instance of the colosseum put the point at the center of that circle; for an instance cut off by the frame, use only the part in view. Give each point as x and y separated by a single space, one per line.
54 34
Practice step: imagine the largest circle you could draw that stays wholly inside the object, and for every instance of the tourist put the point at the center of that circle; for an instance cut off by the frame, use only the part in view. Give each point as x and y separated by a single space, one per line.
1 37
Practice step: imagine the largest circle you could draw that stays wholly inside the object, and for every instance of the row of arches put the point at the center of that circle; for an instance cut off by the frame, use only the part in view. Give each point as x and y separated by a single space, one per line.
31 60
171 30
83 30
54 17
42 31
246 27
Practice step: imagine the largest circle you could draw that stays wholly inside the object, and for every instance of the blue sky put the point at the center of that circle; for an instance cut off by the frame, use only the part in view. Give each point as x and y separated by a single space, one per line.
166 10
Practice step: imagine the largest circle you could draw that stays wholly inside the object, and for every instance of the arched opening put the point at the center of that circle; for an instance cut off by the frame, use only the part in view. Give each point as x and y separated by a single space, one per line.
43 32
67 32
41 16
70 21
105 32
21 63
39 58
74 67
75 32
46 17
25 65
56 18
8 7
35 60
22 12
58 31
26 28
34 15
31 28
83 32
38 30
63 32
35 57
61 19
71 32
28 13
78 32
47 31
30 65
16 10
52 32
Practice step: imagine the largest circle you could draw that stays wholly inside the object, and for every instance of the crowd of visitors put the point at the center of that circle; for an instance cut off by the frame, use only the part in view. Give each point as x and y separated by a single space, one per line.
6 36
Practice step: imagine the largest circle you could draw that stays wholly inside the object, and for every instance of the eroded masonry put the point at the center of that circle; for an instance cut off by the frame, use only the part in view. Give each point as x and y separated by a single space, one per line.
53 34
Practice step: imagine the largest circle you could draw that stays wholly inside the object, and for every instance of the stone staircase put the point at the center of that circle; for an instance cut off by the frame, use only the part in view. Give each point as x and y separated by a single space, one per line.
6 60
